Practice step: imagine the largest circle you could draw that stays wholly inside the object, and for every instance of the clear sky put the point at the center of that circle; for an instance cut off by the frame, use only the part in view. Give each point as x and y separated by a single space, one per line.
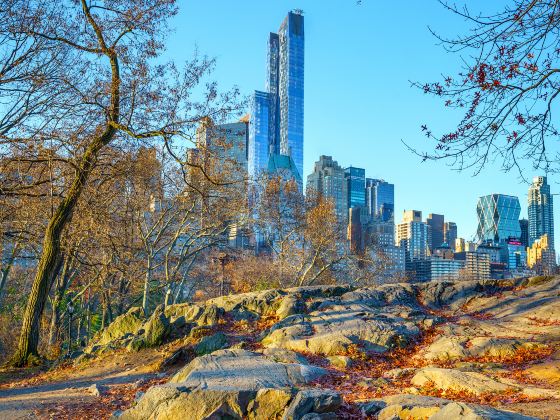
359 105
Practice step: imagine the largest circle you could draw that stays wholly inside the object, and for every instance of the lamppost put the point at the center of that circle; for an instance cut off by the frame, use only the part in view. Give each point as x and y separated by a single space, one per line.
70 310
223 258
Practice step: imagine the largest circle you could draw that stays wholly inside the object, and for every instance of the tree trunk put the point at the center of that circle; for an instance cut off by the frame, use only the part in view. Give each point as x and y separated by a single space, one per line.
147 280
49 262
60 289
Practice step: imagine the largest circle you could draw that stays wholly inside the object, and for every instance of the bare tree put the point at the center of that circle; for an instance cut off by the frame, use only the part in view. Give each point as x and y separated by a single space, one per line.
507 90
87 78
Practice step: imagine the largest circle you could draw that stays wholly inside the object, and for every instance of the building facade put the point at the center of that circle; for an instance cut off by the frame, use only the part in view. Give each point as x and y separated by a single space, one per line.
524 226
327 180
436 223
540 211
449 233
541 256
498 218
355 186
258 141
285 85
412 235
476 265
380 198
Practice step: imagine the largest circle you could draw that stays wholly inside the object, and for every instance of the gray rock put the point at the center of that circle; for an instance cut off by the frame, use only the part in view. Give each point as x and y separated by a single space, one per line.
455 410
156 328
452 379
211 343
242 369
290 305
313 401
128 323
210 316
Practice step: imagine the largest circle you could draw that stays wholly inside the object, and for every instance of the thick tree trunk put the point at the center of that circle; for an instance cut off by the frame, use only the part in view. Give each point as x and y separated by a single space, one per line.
61 286
49 261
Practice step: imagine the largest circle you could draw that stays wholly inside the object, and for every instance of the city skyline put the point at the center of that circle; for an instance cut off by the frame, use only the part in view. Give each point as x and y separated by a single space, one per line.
375 108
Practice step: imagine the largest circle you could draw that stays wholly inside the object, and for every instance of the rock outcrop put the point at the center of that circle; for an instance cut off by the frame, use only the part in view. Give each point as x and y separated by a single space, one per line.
453 338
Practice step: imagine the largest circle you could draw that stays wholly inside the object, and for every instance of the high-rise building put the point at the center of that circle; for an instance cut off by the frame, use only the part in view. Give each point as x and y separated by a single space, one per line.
436 224
541 257
498 218
224 146
355 233
285 86
412 235
476 265
540 210
258 143
449 233
327 180
380 198
524 226
355 186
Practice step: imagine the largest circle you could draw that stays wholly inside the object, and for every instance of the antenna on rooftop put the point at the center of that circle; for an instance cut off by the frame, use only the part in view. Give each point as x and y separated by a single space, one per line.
298 11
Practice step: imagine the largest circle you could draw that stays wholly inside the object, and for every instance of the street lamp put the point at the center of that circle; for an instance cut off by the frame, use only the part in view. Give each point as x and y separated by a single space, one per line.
70 310
223 259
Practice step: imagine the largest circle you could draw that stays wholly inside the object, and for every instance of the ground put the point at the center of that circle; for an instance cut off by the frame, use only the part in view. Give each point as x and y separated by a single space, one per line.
495 344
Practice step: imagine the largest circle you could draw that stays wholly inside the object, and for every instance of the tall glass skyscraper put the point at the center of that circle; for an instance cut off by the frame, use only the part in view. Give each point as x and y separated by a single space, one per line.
380 198
498 218
284 85
290 92
356 183
540 210
258 146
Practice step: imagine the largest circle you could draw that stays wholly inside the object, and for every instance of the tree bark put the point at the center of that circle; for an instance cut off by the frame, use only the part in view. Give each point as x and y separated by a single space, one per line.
49 262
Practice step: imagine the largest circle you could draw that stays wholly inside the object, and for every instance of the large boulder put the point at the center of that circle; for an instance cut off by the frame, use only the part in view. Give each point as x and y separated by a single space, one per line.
125 324
455 380
211 343
242 369
419 407
333 329
156 328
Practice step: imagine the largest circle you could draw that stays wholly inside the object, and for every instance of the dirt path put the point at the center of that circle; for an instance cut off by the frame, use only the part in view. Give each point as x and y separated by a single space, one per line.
66 393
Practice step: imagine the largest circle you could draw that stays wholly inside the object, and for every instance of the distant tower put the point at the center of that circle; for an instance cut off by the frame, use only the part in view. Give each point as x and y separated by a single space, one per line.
540 209
285 65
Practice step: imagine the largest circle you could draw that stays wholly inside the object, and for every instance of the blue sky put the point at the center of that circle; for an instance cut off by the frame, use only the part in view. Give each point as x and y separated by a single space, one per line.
359 105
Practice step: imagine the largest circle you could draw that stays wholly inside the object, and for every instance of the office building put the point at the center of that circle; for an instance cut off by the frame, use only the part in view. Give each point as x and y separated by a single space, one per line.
412 235
436 224
498 218
328 181
540 211
380 198
524 226
449 233
223 148
435 268
476 265
258 142
355 233
541 256
515 254
355 186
